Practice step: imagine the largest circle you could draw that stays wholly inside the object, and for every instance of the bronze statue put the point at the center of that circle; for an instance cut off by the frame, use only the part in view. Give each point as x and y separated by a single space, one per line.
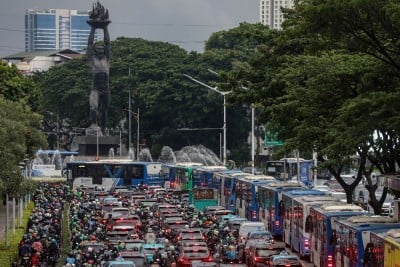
99 61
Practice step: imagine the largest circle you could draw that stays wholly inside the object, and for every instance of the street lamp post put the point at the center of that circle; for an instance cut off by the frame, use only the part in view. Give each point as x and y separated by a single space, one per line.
252 140
215 89
137 117
252 134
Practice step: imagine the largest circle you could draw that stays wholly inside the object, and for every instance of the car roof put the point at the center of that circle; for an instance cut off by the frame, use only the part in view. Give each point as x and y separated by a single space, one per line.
285 259
153 246
259 232
194 248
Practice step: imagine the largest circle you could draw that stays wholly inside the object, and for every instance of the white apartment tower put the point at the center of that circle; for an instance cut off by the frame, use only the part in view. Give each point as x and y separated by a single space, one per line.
271 13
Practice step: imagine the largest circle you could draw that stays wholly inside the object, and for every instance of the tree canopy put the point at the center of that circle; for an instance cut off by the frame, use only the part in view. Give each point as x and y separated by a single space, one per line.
19 126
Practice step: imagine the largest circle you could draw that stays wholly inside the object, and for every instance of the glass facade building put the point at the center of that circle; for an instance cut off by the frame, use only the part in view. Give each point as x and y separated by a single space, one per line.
56 29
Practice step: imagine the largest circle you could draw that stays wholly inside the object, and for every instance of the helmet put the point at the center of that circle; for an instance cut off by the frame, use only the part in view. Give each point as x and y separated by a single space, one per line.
150 230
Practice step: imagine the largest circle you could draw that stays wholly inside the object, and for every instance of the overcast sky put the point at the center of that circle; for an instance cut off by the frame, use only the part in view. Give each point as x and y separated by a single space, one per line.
187 23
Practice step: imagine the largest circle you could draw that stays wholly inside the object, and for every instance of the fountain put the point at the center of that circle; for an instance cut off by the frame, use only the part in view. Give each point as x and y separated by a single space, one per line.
167 155
198 154
44 165
56 160
131 154
144 155
111 154
41 157
182 156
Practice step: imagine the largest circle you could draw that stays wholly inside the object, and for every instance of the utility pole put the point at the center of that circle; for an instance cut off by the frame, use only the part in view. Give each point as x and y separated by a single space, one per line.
129 116
137 135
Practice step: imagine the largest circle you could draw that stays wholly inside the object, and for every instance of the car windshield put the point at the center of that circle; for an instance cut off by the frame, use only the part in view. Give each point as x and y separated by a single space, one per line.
189 243
266 252
147 203
194 252
124 224
109 207
195 236
133 246
178 225
260 235
287 261
152 250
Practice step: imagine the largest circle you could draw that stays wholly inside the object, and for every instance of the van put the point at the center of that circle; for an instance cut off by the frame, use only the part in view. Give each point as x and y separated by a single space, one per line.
247 227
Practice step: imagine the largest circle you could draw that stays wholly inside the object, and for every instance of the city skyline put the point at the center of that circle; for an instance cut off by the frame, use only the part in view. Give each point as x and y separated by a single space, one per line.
187 23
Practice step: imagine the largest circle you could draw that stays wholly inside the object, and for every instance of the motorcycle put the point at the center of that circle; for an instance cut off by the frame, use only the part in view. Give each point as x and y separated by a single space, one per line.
26 260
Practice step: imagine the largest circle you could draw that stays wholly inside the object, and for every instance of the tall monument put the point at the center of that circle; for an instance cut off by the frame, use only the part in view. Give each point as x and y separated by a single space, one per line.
97 142
99 62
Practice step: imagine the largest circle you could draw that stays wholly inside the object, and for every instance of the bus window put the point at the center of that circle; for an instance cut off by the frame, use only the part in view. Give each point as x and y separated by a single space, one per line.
128 173
97 173
137 171
80 170
353 247
369 257
309 224
281 209
333 239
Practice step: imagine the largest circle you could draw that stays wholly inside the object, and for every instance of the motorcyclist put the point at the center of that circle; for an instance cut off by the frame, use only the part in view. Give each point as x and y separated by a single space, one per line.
150 237
70 259
157 256
24 249
35 259
231 253
37 246
53 249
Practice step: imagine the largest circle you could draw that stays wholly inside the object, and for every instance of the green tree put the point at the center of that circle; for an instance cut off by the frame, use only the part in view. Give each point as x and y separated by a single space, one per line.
15 87
367 26
20 139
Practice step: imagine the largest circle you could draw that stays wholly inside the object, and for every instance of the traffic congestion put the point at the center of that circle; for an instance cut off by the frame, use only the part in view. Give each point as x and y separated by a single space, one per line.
193 215
153 226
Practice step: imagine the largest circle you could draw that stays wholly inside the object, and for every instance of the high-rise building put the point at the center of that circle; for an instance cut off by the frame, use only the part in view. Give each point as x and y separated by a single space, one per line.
56 29
271 13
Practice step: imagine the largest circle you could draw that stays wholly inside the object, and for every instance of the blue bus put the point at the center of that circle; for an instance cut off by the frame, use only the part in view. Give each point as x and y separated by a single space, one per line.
289 211
246 189
287 169
205 176
110 173
320 223
227 192
269 197
352 236
301 237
